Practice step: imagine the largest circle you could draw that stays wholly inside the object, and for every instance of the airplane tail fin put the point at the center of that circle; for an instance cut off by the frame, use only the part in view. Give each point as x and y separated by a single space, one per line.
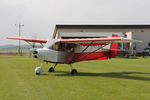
113 48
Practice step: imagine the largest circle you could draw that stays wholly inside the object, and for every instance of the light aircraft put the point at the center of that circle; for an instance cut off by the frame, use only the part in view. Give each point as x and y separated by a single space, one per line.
69 51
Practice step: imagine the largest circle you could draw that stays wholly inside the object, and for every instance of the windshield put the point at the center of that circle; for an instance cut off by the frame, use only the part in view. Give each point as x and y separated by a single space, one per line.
51 42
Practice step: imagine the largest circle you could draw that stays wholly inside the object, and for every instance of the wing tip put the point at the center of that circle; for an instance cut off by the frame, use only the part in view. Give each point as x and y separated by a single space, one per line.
131 40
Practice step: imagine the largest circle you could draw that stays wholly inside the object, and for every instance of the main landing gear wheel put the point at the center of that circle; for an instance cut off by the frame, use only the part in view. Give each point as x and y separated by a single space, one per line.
51 70
74 72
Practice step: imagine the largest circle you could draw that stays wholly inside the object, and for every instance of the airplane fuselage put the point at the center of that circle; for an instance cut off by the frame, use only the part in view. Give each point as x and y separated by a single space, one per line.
49 55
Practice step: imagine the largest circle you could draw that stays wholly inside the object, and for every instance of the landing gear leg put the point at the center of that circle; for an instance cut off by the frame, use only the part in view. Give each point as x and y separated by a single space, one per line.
74 71
52 69
39 70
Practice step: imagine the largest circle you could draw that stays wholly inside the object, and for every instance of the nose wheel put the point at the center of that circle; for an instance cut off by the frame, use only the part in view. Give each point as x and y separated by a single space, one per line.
39 70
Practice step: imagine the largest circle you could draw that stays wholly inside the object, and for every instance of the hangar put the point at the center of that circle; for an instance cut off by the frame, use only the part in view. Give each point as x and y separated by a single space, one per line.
139 32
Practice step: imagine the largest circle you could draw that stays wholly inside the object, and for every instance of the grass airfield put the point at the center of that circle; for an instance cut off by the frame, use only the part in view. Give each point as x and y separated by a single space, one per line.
115 79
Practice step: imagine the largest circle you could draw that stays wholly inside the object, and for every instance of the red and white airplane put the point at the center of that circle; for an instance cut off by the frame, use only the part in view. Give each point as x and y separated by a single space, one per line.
69 51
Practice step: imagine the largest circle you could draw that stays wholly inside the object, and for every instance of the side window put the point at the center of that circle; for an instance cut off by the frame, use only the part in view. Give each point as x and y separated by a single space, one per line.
55 46
68 47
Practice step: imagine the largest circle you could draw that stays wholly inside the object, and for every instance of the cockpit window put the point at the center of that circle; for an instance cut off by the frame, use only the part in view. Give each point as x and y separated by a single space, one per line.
69 47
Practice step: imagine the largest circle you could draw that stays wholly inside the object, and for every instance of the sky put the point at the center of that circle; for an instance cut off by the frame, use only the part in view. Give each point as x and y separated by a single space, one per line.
40 16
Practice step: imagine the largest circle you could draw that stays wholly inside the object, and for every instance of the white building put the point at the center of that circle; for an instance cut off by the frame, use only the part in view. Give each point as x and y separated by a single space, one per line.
138 32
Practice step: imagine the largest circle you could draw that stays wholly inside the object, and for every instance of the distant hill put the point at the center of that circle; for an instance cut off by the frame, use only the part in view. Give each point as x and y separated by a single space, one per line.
14 47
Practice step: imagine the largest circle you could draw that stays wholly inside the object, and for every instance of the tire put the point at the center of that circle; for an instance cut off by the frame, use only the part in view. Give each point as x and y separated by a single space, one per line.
74 72
37 73
51 70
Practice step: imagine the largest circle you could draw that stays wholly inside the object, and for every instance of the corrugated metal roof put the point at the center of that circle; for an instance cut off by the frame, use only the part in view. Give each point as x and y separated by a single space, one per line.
126 26
130 26
88 34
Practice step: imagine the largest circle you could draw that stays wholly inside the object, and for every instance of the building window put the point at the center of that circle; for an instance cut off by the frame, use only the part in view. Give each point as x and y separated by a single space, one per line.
149 44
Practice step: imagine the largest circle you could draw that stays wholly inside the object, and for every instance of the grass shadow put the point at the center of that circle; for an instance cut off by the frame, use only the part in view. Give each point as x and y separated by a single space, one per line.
123 75
43 74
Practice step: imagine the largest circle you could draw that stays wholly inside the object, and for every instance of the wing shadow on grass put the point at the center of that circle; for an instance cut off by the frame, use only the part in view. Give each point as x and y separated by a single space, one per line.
123 75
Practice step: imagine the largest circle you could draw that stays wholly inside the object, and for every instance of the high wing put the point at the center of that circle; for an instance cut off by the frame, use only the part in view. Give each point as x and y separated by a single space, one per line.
29 39
99 40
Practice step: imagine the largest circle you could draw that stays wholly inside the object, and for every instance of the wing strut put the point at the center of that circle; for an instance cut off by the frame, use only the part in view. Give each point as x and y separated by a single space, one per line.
93 51
76 57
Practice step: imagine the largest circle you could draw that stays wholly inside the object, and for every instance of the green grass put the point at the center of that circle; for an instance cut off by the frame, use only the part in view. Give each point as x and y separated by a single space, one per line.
115 79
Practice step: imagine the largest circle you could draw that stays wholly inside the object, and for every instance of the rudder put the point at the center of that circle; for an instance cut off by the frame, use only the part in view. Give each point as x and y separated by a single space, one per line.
113 48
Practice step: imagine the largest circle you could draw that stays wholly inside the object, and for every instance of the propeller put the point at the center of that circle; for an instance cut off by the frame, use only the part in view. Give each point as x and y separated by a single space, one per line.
35 37
33 45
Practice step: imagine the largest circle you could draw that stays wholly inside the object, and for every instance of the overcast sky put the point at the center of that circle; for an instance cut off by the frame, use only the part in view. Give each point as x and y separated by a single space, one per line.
40 16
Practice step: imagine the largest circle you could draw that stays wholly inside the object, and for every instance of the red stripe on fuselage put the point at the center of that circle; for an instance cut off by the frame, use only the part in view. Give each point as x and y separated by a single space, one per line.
93 56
